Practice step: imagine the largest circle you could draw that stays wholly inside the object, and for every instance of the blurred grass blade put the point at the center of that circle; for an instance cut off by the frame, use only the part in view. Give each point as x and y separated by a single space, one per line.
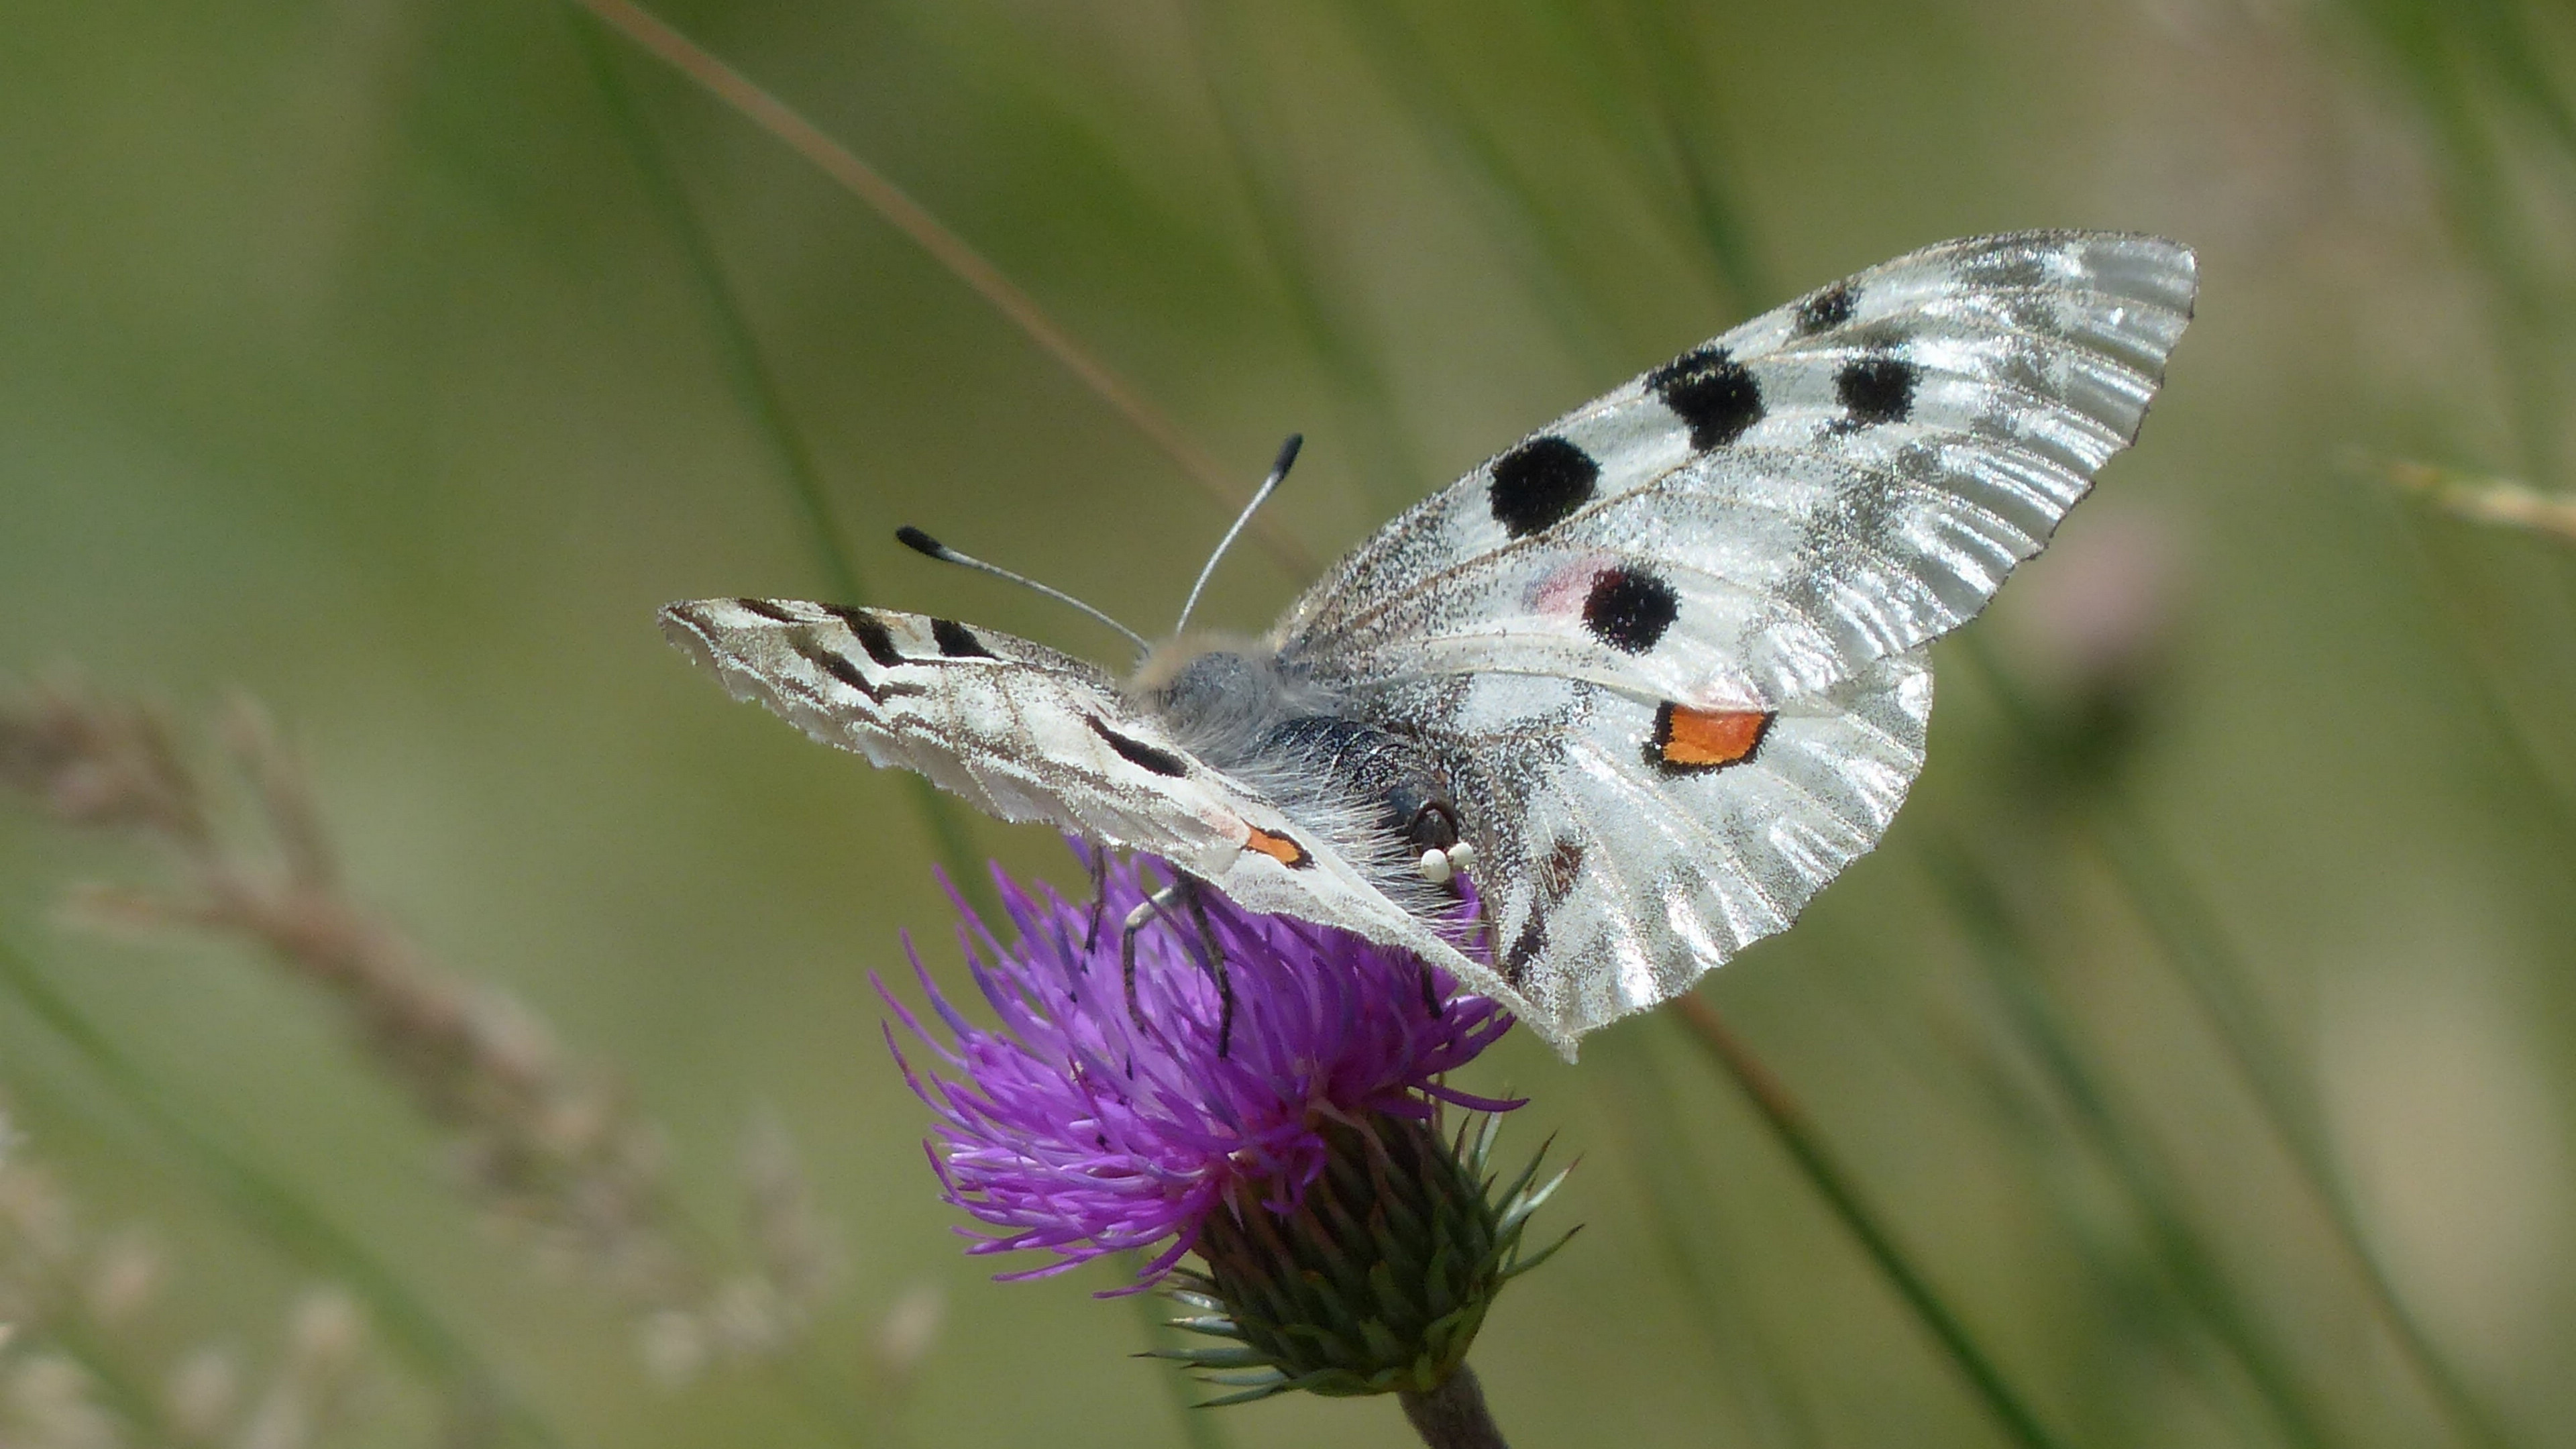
2213 976
950 251
757 384
2211 973
2434 37
940 817
137 1406
1379 445
2532 745
474 1389
1675 1191
1677 86
1543 248
2460 57
2177 1242
1601 47
1788 1122
1199 1428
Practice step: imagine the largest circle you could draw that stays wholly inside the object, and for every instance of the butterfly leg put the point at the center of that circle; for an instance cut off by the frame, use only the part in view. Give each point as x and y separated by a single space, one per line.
1179 892
1216 968
1099 899
1137 920
1163 901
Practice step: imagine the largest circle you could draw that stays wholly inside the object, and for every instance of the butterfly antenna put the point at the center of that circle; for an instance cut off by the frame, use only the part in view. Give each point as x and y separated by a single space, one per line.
920 542
1269 485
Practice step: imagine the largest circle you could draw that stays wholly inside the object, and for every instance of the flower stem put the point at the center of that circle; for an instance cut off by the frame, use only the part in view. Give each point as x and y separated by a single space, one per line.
1453 1416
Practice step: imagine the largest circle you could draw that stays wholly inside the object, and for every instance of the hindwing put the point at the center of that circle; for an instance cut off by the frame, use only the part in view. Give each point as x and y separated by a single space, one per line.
1622 867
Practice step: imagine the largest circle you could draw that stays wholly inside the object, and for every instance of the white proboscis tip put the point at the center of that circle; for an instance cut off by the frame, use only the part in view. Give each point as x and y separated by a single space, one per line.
1462 857
1435 867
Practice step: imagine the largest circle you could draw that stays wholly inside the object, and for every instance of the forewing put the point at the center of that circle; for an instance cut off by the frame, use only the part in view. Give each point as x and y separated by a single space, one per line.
1836 481
1019 730
1026 733
1618 878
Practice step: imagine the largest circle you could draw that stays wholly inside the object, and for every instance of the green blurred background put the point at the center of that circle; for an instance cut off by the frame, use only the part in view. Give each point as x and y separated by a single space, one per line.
387 360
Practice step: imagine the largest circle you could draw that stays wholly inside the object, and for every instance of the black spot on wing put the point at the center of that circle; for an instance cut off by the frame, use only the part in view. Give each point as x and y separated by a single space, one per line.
1526 944
2025 264
1138 753
956 641
1877 389
1825 310
841 667
1540 484
1629 610
1711 392
874 637
1552 880
767 609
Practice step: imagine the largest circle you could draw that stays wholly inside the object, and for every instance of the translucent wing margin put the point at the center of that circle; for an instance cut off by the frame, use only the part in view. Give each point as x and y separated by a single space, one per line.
1839 480
1017 729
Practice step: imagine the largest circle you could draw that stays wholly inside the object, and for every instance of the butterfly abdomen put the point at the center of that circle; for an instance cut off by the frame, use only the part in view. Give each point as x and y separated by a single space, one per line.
1389 774
1378 796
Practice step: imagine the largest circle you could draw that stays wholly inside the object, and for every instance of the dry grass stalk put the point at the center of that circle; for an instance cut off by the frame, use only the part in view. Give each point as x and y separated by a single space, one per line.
71 1299
2489 500
905 1336
554 1151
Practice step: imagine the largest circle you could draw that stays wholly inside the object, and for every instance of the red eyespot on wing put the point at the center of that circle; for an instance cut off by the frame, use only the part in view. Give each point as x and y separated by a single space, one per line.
1706 739
1278 847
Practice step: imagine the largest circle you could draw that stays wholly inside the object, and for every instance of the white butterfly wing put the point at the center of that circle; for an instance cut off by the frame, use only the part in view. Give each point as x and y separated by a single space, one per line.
1841 479
1026 733
1670 644
1667 649
1615 878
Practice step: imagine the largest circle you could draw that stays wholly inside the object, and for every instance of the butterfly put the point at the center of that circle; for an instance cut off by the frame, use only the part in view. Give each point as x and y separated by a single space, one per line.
1650 677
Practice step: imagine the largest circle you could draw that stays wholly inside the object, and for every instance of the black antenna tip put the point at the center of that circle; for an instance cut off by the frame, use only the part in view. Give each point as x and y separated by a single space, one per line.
920 542
1287 455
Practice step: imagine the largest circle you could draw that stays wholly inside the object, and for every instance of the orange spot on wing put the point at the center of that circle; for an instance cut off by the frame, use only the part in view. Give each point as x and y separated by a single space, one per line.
1704 739
1278 847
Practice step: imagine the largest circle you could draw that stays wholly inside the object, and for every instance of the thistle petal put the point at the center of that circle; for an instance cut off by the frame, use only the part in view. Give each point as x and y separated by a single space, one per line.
1074 1129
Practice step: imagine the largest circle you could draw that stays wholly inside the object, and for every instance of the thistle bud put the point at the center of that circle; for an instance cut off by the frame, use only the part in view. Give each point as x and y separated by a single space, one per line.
1378 1279
1283 1128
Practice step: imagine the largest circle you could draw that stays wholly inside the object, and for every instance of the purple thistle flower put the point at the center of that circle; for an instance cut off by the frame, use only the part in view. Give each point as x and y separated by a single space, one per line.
1070 1128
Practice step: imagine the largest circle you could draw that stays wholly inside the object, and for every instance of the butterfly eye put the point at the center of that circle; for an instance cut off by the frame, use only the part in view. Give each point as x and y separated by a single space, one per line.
1435 867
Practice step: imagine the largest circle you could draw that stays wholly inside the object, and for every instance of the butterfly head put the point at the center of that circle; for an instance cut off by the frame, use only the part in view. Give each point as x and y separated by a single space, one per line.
1218 691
